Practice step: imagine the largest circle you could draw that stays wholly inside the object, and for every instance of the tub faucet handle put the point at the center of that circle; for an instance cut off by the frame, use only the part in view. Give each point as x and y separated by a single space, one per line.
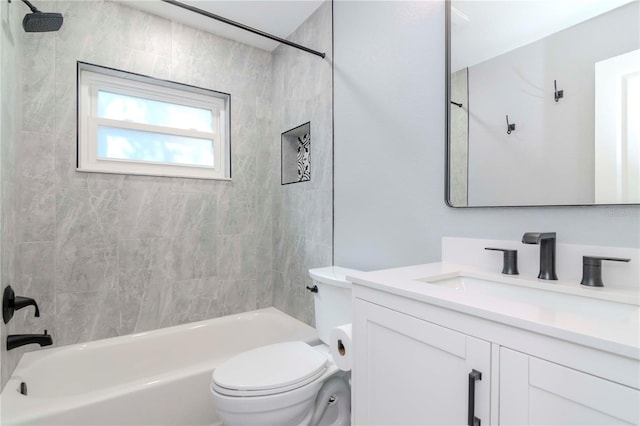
11 303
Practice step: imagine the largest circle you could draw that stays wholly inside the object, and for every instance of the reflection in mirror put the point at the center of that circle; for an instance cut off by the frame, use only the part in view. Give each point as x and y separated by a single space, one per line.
543 100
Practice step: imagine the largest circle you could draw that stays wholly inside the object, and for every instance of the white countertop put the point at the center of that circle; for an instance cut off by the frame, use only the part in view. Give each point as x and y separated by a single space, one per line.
618 333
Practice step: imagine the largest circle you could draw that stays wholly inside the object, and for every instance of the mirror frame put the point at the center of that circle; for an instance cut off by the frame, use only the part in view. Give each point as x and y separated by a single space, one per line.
447 147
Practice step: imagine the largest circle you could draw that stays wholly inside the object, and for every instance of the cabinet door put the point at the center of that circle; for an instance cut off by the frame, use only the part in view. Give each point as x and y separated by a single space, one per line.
538 392
411 372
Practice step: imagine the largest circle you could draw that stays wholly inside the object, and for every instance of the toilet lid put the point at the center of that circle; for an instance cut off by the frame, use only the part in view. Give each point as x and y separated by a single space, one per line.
270 369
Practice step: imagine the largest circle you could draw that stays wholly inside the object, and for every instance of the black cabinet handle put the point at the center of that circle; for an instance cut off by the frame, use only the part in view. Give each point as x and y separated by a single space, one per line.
472 419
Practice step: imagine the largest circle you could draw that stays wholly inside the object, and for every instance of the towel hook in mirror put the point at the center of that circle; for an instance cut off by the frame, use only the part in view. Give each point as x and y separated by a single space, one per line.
510 127
557 94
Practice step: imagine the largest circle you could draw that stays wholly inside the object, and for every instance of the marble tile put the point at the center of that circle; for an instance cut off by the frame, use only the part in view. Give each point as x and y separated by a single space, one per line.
38 90
145 296
243 173
191 300
144 208
144 62
108 318
145 32
132 286
8 234
36 210
197 71
264 250
318 211
146 274
156 302
86 218
36 157
89 34
264 288
82 268
189 41
34 263
295 219
193 215
277 281
194 257
236 296
237 213
244 132
204 186
66 111
236 257
11 40
145 254
84 316
35 202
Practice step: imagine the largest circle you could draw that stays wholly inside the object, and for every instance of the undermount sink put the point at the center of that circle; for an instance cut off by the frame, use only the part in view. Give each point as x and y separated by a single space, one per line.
552 297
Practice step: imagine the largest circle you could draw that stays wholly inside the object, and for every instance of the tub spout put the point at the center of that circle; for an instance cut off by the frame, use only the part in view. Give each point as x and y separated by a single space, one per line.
17 340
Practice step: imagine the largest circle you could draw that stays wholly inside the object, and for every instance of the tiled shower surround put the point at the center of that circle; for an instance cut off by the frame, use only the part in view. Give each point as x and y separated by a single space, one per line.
107 255
10 122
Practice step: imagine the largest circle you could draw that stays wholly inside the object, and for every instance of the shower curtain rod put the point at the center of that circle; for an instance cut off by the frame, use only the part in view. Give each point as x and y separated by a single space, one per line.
242 26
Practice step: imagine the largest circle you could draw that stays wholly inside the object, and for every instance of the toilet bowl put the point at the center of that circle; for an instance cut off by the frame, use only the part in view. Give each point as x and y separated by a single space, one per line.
291 383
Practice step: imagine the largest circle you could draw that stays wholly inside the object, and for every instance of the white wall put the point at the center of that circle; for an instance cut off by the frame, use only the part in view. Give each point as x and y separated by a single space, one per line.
389 144
549 158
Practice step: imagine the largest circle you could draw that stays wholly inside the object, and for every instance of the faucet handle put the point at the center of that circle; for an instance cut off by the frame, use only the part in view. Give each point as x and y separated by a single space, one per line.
11 303
509 260
592 269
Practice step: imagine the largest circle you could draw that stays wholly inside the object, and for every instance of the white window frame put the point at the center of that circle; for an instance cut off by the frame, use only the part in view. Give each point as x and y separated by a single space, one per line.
92 79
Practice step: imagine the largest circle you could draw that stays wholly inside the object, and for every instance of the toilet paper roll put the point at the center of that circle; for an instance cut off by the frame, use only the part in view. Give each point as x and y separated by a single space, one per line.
341 346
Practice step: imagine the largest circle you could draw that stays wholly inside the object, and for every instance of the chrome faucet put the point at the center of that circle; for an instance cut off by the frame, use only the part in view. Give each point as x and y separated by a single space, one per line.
547 241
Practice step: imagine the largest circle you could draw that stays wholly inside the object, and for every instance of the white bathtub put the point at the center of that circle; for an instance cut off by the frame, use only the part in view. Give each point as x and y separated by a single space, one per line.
159 377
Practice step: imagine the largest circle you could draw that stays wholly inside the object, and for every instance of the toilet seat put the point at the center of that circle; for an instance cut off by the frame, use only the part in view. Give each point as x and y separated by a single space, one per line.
269 370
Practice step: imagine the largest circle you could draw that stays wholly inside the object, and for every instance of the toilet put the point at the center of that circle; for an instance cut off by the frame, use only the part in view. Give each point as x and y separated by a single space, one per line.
291 383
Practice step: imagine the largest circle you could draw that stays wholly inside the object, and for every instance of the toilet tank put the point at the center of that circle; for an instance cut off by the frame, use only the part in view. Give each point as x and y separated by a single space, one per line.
333 304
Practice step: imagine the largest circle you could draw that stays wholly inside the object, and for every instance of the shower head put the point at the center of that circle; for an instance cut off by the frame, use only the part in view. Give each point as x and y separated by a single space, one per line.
37 22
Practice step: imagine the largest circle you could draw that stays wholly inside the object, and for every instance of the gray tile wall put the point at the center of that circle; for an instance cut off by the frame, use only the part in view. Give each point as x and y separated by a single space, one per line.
106 255
302 225
10 122
459 150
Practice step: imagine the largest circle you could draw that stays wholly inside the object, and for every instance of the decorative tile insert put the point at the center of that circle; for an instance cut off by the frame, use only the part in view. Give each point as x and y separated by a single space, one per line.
296 154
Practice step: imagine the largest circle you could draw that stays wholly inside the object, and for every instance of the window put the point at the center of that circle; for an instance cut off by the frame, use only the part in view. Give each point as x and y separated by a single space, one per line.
132 124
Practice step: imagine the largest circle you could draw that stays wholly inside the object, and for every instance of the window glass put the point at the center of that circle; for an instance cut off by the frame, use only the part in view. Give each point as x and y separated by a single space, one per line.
134 145
116 106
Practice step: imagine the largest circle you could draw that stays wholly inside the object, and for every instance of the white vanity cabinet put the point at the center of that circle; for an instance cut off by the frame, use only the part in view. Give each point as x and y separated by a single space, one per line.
412 372
537 392
412 361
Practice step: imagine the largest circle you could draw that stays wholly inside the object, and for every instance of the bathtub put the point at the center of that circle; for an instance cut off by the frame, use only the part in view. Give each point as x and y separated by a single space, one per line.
159 377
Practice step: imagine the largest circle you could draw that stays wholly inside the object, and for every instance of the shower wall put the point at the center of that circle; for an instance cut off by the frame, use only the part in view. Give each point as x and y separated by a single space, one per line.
106 255
10 135
302 212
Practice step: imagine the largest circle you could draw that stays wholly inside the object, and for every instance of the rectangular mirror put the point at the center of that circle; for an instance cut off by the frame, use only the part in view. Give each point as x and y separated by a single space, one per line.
543 103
